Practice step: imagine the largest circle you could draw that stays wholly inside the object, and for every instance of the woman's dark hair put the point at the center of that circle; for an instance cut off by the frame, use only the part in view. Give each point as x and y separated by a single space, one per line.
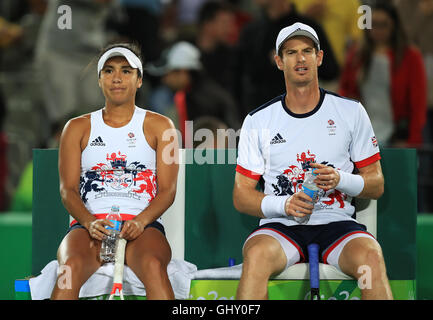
398 42
132 46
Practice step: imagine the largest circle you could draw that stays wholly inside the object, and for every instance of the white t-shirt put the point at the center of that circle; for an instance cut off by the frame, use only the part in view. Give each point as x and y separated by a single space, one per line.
118 167
278 146
376 97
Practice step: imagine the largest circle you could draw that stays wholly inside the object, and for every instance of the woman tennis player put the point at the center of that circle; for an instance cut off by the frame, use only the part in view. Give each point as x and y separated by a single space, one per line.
115 156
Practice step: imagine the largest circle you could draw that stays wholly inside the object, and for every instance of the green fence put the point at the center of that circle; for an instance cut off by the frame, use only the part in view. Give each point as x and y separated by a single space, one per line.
424 261
396 212
16 239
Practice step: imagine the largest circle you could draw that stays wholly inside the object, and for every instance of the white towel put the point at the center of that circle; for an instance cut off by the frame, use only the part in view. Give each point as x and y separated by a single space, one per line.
180 273
298 271
226 273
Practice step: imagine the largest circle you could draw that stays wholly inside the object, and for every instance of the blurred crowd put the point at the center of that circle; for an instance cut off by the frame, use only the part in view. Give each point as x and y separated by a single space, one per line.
210 62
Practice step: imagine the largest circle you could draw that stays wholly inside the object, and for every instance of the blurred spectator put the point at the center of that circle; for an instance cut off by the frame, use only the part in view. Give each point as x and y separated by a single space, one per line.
187 12
19 54
63 53
23 196
216 26
242 17
339 20
209 133
9 33
257 78
418 18
388 76
3 156
140 23
168 22
195 94
19 131
180 19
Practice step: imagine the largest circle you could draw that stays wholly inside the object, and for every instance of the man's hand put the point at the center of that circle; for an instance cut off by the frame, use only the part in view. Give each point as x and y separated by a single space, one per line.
299 205
327 177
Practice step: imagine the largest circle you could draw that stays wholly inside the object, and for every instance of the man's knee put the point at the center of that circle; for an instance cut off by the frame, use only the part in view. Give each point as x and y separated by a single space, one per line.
373 259
264 254
365 259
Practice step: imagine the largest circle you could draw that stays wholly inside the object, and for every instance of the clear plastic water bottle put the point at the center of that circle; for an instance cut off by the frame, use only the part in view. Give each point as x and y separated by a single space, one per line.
108 246
310 189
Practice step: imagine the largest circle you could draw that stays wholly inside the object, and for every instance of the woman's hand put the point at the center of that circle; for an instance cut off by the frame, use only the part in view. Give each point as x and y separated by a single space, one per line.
97 228
132 229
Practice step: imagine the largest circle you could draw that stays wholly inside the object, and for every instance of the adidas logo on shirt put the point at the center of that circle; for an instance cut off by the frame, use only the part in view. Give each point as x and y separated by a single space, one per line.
97 142
278 139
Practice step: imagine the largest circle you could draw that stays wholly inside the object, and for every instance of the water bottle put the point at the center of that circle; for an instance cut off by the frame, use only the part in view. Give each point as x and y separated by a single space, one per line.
108 246
310 189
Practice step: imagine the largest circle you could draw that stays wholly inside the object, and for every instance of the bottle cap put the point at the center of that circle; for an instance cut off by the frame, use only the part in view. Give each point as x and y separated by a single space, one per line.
313 173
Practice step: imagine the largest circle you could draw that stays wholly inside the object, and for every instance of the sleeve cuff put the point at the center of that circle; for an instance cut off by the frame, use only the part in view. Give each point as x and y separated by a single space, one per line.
248 173
368 161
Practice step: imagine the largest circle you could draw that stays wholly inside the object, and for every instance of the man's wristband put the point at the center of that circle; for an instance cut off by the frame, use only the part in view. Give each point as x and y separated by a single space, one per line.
274 206
350 184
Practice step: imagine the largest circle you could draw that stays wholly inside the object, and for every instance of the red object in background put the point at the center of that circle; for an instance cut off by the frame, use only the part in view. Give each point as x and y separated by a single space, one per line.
408 88
180 102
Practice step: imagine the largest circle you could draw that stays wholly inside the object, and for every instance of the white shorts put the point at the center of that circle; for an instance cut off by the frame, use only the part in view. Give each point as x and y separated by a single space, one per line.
331 239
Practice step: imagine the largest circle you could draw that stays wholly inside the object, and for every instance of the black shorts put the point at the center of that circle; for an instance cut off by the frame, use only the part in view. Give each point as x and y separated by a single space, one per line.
327 236
154 224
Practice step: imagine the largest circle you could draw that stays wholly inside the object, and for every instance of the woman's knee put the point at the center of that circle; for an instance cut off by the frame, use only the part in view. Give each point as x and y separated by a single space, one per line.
153 266
78 264
77 249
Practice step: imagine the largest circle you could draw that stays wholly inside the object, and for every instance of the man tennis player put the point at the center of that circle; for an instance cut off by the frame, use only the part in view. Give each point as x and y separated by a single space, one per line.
305 128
